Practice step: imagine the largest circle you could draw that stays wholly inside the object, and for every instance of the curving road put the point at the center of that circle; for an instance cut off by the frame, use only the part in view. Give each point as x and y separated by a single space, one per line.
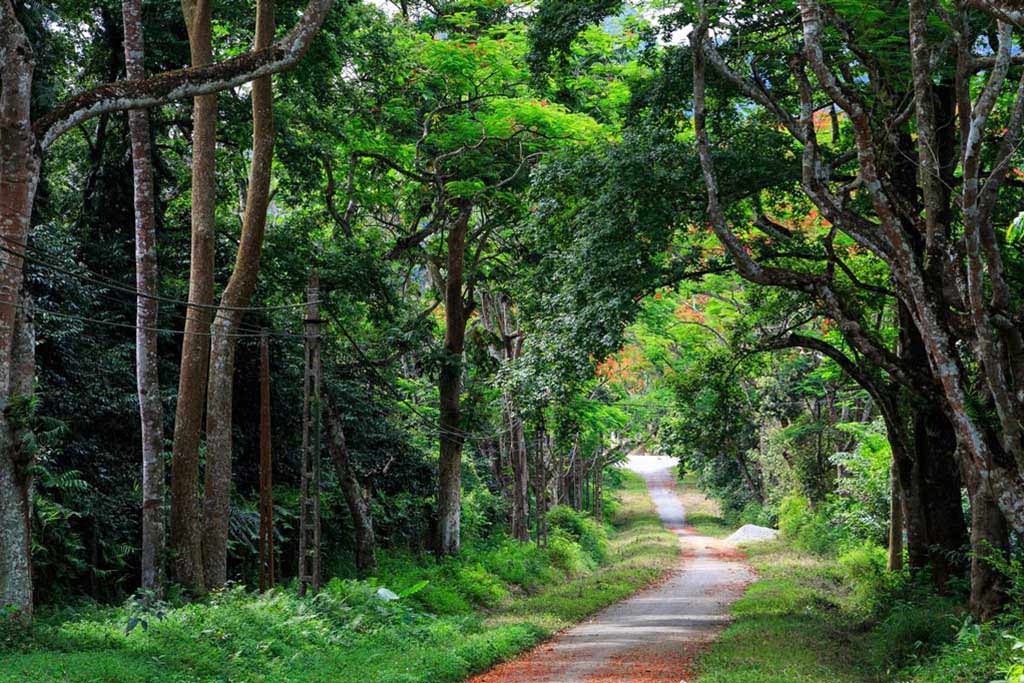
653 636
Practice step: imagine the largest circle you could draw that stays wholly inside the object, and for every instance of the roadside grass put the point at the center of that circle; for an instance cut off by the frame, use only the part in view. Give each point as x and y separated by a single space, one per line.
488 606
812 618
793 625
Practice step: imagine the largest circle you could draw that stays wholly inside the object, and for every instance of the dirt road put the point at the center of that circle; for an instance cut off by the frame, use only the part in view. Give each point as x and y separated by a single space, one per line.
653 636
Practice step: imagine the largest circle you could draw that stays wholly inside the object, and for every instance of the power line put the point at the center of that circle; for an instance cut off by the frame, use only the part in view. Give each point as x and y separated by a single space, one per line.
97 279
123 325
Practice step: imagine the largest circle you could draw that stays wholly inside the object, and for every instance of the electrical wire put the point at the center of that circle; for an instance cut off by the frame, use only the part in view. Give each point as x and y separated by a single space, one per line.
95 278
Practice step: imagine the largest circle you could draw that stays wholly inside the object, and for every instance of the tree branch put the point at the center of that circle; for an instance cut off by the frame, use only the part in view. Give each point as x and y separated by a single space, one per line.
183 83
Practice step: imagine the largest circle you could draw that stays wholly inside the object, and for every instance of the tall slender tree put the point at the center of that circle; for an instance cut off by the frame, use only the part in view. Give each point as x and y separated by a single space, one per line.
147 375
186 505
235 298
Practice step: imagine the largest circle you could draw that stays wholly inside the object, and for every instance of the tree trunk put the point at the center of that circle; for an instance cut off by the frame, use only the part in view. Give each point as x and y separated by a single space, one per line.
520 482
989 537
894 562
929 473
19 177
186 511
938 476
449 491
355 498
16 471
147 375
236 297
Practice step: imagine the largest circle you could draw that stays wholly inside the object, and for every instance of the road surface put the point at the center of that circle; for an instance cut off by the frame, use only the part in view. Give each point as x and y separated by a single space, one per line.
653 636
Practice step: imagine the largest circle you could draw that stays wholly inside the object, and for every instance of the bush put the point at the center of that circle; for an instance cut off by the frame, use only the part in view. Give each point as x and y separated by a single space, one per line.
478 585
520 564
582 529
755 513
482 513
809 530
864 569
565 554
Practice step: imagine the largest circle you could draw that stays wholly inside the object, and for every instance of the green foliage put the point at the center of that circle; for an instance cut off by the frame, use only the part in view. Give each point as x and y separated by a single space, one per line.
558 24
808 529
567 555
381 630
582 529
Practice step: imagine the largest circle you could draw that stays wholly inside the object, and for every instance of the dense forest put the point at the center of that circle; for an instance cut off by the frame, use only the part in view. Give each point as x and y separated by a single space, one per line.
326 329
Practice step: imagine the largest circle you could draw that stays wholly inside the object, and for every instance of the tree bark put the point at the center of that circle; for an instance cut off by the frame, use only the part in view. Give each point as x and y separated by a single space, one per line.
186 508
989 538
894 562
19 177
236 297
147 376
520 481
937 476
449 489
355 498
16 471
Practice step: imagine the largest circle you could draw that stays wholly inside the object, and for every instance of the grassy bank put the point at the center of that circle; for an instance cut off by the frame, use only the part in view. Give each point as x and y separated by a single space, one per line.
419 621
813 617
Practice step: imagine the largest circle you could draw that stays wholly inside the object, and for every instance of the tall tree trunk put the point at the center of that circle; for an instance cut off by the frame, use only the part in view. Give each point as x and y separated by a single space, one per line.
520 480
147 375
236 297
894 562
355 498
19 177
989 537
929 472
186 509
938 476
16 471
449 485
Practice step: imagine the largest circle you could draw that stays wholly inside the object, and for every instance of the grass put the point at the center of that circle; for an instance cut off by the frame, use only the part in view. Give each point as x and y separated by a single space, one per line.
811 618
793 625
488 606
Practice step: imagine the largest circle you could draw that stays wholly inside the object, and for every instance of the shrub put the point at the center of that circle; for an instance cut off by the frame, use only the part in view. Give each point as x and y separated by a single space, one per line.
478 585
521 564
864 568
582 529
808 529
565 554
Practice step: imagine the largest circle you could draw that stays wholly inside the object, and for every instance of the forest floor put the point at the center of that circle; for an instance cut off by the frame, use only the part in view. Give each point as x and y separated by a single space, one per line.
656 635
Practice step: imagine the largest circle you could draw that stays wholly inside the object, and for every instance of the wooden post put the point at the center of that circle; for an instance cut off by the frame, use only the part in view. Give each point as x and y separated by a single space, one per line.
309 512
266 481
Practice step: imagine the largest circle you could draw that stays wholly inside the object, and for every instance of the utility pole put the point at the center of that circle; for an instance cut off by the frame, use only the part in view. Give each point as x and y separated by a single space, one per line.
266 481
309 523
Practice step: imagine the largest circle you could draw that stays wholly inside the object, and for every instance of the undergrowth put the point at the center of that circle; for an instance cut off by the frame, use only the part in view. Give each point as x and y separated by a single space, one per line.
823 608
418 620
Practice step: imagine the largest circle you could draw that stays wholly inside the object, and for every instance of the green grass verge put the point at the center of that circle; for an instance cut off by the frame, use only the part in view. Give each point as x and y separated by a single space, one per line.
810 618
791 626
346 634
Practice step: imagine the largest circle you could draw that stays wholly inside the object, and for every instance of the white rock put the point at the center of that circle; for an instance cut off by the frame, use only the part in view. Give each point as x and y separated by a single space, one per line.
751 532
